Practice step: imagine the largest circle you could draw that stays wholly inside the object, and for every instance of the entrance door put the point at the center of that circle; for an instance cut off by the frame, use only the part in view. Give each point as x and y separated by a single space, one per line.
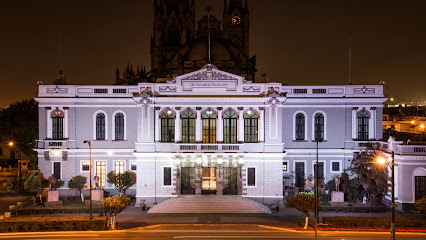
187 178
230 181
300 175
420 187
209 180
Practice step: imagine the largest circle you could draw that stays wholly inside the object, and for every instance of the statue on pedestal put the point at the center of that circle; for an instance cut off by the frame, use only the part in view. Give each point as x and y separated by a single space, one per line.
96 178
337 182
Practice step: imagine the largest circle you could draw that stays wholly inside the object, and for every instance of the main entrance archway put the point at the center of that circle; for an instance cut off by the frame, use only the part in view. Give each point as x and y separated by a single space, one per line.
208 179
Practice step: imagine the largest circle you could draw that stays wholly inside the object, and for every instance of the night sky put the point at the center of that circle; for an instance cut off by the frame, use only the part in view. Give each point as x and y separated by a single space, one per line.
296 42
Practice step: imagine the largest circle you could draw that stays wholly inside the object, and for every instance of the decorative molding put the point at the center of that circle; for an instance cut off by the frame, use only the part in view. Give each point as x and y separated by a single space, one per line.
364 90
219 108
251 89
66 108
198 108
240 108
167 89
57 89
48 108
261 108
157 108
355 108
178 108
373 108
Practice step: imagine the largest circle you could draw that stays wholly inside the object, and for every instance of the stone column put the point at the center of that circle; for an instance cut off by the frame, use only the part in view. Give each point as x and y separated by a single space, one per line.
157 124
66 122
354 123
372 130
178 128
198 180
261 124
178 180
198 127
48 122
239 181
241 124
219 180
219 124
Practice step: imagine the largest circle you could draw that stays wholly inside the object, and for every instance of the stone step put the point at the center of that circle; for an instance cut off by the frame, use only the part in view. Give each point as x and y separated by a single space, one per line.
209 204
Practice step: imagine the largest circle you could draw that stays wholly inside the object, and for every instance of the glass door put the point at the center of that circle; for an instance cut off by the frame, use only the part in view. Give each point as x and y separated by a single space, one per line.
209 180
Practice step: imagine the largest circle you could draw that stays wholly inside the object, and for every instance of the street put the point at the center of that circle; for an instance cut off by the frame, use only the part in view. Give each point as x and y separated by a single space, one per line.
211 231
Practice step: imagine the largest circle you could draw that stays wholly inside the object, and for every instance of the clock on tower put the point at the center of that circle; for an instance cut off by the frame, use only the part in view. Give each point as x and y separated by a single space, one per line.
236 20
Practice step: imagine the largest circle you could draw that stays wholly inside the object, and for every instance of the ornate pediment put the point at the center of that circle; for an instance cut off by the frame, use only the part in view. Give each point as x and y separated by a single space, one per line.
209 72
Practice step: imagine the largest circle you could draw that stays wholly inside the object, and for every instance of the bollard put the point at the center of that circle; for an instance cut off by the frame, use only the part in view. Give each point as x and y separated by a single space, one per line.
7 214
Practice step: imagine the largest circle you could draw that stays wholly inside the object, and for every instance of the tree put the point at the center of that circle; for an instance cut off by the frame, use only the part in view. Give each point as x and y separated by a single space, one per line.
121 181
114 205
370 176
304 202
420 204
19 123
78 183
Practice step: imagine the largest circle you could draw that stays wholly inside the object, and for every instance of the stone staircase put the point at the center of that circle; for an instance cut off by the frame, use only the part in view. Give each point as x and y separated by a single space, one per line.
209 204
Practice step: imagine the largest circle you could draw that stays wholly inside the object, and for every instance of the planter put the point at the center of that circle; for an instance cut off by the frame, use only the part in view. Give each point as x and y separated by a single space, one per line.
277 208
143 208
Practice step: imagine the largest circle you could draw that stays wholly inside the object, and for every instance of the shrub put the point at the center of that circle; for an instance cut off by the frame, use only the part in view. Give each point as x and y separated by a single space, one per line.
78 183
36 224
304 202
121 181
421 204
114 205
373 222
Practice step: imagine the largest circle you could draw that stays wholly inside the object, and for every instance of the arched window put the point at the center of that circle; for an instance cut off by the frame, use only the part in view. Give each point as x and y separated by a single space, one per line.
229 127
209 127
250 127
100 126
319 127
188 127
300 126
363 119
168 126
57 124
119 126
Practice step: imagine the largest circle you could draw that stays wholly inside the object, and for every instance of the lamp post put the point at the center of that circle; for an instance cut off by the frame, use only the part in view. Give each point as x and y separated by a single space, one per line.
11 145
412 125
422 128
90 175
382 160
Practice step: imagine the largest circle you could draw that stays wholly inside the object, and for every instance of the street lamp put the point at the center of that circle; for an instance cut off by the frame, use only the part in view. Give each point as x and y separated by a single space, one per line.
422 128
11 144
382 160
412 125
90 175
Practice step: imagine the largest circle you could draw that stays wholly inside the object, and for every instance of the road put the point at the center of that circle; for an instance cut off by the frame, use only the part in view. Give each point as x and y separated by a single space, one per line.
210 232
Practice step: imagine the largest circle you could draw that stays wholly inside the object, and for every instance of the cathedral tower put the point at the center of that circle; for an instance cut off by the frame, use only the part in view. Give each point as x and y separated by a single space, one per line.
174 26
236 24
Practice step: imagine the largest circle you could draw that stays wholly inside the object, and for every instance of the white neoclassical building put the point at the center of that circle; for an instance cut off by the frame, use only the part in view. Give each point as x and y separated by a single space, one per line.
206 132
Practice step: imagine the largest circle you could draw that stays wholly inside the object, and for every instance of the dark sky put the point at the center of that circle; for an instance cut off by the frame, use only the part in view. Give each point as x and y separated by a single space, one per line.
296 42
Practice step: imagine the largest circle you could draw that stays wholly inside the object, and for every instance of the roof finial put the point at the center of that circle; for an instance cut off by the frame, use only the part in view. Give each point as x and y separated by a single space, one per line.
208 10
350 58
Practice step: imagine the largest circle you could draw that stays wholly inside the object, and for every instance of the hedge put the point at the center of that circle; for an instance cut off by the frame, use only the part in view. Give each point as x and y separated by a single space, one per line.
373 222
37 224
377 209
30 211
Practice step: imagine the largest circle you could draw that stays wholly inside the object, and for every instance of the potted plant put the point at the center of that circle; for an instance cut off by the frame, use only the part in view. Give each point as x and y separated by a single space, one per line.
143 205
277 205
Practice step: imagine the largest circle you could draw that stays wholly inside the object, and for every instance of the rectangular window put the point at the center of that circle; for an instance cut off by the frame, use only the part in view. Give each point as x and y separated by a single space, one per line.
101 172
300 175
57 170
101 90
251 176
119 167
134 166
85 166
119 90
285 166
319 90
302 90
167 176
335 166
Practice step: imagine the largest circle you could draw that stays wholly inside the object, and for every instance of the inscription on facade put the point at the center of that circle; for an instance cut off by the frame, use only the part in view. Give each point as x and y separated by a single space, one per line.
204 84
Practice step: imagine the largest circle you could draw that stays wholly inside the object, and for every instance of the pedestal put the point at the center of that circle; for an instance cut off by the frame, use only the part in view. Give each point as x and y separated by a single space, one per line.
337 199
52 196
97 195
